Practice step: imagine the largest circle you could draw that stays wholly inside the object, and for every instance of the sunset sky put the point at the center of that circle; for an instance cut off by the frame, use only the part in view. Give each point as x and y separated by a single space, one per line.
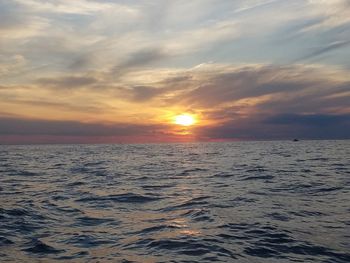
104 71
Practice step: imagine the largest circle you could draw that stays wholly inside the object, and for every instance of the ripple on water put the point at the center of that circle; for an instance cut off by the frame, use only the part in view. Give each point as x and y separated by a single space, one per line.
22 173
93 221
122 198
199 215
194 202
155 229
217 202
37 246
5 241
88 241
20 220
258 177
184 246
270 242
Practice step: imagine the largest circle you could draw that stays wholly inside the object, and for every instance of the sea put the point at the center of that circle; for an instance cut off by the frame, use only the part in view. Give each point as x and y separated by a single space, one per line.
266 201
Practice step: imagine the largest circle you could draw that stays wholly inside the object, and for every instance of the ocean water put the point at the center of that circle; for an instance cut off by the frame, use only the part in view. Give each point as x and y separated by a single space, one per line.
200 202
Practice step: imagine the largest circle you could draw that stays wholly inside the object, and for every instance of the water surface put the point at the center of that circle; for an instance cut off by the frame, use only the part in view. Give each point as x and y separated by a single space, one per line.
202 202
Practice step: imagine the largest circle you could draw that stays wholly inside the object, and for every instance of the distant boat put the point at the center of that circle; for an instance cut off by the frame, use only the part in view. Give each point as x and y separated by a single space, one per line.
295 140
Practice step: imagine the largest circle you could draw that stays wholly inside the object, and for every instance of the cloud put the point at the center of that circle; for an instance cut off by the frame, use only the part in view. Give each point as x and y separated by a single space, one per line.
138 59
93 108
141 60
83 7
326 49
12 64
268 101
144 93
282 126
67 82
318 120
14 130
335 13
214 86
195 40
17 23
16 126
120 36
249 5
232 101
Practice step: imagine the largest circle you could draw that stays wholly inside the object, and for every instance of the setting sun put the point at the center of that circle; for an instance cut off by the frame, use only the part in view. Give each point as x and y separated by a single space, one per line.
185 119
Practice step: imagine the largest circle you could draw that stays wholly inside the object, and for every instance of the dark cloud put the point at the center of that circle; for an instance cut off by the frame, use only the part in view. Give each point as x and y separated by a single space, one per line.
140 58
183 78
24 127
136 94
144 93
136 60
309 119
82 62
63 106
286 85
250 102
296 101
67 82
306 103
282 126
147 93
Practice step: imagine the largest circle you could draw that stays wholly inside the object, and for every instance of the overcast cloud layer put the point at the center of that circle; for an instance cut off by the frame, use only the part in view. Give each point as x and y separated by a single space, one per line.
110 71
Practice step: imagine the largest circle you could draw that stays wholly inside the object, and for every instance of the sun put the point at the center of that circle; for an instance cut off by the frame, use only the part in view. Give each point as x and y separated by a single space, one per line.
185 120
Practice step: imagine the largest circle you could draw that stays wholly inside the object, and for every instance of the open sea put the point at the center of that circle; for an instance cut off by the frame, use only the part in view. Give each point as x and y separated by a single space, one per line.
239 202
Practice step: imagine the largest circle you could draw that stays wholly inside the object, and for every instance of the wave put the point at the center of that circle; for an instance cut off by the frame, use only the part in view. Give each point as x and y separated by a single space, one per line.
215 202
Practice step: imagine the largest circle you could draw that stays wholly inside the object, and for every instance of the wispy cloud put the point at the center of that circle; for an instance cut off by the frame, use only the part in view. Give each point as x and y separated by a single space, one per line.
84 7
67 82
236 64
316 52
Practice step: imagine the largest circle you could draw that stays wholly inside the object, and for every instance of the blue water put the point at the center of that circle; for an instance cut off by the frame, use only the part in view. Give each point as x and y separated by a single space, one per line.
201 202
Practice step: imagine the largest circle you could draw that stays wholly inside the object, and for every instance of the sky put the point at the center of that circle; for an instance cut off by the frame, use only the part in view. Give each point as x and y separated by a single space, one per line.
89 71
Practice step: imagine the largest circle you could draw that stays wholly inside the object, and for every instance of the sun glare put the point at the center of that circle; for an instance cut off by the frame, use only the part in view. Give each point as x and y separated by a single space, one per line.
185 119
